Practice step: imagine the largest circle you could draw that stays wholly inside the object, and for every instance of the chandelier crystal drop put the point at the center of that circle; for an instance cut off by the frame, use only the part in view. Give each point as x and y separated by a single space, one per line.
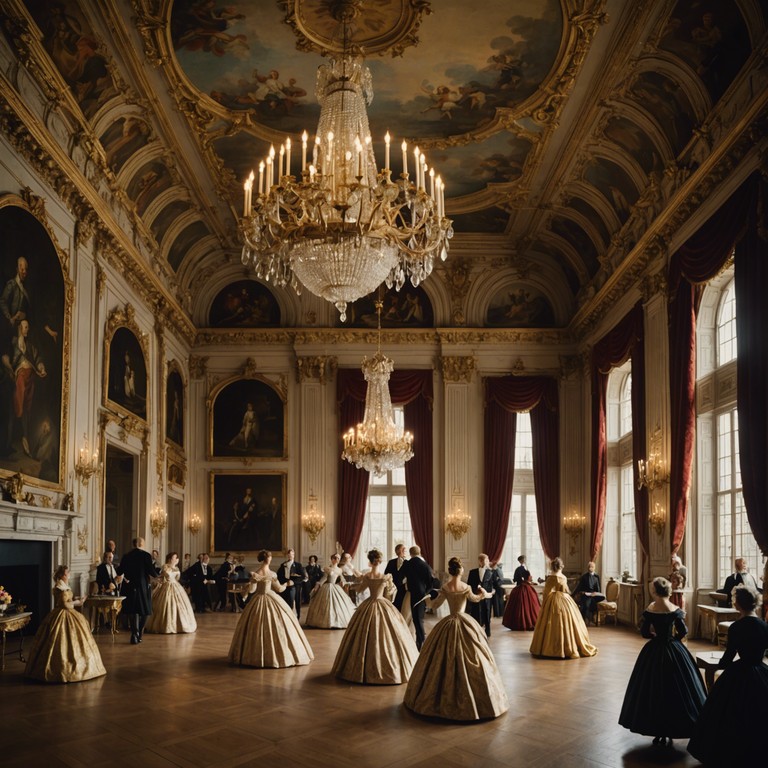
342 227
378 444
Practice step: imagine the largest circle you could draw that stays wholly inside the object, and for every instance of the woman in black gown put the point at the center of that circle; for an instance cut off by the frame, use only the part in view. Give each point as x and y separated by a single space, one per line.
729 729
665 692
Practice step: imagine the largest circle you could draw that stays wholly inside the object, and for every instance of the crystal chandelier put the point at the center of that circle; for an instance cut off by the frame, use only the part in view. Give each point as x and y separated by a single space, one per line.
458 522
313 521
378 444
342 227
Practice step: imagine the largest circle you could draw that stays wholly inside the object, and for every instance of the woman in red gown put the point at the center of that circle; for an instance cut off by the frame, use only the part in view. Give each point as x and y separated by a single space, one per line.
523 602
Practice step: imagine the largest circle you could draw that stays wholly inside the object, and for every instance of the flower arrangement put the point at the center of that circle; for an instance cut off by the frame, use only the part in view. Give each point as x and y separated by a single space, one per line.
5 598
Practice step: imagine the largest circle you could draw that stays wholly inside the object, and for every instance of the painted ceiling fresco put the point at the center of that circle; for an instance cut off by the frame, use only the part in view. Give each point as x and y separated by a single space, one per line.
485 87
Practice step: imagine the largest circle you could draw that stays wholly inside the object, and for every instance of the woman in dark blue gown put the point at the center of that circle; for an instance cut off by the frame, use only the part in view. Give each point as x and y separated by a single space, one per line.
730 727
665 692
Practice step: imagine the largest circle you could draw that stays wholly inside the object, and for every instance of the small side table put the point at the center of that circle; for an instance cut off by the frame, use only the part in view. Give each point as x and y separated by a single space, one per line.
14 622
708 661
105 606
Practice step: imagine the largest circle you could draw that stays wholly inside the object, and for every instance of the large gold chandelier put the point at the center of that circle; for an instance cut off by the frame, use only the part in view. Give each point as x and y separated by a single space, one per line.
342 227
378 444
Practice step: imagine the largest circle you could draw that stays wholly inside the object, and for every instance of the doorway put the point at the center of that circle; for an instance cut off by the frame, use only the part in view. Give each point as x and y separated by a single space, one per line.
119 498
175 536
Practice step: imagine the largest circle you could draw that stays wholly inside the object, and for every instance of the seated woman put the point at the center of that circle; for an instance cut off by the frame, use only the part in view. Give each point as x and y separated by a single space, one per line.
64 650
330 607
377 647
523 606
455 676
560 631
665 693
171 609
268 633
729 728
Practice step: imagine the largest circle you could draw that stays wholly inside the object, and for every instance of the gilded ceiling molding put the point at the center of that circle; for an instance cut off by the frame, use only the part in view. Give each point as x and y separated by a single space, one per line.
458 278
518 367
150 23
458 368
315 368
198 366
653 285
548 336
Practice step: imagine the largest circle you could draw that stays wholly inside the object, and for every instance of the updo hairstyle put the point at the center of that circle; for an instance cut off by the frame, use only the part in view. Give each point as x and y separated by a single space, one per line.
375 556
263 555
455 566
662 587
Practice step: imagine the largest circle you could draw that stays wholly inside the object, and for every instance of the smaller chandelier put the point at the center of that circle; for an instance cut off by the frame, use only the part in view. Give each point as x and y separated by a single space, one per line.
378 444
195 524
157 519
658 518
457 523
87 463
573 524
652 472
313 521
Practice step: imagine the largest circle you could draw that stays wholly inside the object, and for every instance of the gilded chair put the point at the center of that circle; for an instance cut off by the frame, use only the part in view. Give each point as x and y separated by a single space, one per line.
609 606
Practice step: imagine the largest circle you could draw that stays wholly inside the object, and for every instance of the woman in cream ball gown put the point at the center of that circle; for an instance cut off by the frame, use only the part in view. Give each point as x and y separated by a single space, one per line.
330 607
560 631
455 676
377 647
64 650
171 610
268 633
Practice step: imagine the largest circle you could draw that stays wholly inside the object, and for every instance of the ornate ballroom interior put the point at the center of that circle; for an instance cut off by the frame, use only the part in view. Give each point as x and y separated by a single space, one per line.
594 154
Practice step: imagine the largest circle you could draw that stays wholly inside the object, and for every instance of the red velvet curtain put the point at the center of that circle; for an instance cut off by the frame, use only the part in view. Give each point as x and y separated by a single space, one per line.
504 398
624 341
413 389
696 262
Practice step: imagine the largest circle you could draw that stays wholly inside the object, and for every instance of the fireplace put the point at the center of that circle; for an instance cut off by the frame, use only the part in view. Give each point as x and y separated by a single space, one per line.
25 572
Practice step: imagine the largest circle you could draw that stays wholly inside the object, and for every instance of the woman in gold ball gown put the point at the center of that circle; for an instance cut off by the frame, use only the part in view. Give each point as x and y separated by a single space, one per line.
377 647
64 650
330 607
268 633
560 631
455 676
171 610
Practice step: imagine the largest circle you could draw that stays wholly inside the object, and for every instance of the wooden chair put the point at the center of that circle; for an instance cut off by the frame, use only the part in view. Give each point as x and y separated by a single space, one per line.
722 633
609 606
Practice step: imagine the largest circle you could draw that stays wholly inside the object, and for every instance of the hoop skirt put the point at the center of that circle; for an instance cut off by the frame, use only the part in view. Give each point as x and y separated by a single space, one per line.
377 647
455 676
330 607
730 727
560 631
665 692
64 650
522 608
268 633
171 610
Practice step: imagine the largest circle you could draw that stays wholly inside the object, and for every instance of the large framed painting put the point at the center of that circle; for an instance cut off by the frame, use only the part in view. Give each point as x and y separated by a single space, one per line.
126 353
247 511
247 419
174 406
520 305
36 306
244 304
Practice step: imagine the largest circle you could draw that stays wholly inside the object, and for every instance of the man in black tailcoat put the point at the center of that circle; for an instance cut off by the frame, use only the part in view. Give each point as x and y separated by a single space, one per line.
136 569
420 582
292 573
395 569
486 578
587 593
201 574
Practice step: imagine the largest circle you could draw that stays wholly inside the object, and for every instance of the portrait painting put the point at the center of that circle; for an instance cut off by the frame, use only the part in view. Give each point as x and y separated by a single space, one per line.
32 342
174 407
248 420
407 308
248 511
520 305
244 304
127 373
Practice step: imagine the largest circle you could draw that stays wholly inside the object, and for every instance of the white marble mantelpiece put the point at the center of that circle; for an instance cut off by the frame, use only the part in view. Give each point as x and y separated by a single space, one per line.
23 521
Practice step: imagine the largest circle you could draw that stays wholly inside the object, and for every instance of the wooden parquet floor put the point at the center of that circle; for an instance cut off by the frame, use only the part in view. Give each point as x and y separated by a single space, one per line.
175 701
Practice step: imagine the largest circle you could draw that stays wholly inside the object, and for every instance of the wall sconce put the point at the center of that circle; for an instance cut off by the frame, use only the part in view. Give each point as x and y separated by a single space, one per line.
195 524
457 522
86 466
658 518
573 524
652 472
157 519
312 521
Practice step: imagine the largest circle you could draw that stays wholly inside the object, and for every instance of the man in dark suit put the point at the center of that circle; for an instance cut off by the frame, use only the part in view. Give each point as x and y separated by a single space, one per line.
137 569
740 576
587 593
395 568
292 573
222 577
200 576
488 579
420 582
106 575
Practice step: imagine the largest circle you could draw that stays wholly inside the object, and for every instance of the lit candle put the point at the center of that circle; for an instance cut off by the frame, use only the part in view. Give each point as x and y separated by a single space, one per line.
404 147
271 168
315 151
359 151
287 157
387 139
246 189
261 177
439 183
312 172
304 138
432 182
417 170
280 163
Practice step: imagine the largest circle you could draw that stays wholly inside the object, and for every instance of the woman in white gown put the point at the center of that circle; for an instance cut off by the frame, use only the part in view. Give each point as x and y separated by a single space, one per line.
377 647
455 676
268 633
330 607
171 610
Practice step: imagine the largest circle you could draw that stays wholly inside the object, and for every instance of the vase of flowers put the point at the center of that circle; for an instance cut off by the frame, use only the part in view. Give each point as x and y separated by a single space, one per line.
5 600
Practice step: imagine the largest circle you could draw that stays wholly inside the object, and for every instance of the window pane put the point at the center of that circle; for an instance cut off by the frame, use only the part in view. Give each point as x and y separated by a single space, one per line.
726 326
625 406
